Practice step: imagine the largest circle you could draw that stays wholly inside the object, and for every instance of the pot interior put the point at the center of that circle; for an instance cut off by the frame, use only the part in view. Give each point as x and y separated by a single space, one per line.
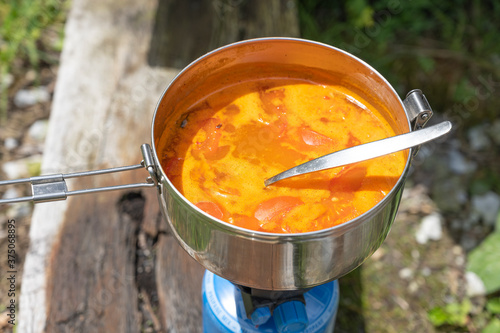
212 76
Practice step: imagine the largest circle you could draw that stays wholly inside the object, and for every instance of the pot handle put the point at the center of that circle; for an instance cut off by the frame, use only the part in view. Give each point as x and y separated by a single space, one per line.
417 108
53 187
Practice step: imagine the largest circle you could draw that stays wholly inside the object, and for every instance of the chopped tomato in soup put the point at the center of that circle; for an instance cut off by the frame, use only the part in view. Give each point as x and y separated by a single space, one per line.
219 157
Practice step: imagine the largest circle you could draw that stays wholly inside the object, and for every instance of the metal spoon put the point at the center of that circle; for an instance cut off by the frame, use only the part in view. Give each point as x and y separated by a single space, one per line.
366 151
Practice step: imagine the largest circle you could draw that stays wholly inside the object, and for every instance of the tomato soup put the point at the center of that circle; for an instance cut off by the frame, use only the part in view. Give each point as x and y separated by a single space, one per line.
219 155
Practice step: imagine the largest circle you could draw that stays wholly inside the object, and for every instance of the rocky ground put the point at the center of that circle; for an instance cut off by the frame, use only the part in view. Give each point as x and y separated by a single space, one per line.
22 137
450 205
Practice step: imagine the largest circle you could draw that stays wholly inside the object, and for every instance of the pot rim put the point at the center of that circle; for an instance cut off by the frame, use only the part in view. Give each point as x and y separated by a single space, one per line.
282 237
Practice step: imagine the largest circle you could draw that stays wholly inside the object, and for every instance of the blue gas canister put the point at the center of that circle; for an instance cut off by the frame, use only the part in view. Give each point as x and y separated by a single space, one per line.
224 310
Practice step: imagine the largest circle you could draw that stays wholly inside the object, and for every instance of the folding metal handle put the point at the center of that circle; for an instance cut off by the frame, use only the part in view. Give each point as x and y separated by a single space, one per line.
53 187
418 109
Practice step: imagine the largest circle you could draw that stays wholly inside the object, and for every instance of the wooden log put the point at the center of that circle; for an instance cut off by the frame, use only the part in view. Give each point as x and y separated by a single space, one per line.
198 26
106 262
179 299
80 272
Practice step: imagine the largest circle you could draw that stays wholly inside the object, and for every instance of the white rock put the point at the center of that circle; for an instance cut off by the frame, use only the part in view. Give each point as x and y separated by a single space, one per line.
6 81
457 250
478 139
19 210
413 287
10 143
11 193
486 206
406 273
38 130
15 169
20 168
429 229
458 164
426 271
475 286
460 261
28 97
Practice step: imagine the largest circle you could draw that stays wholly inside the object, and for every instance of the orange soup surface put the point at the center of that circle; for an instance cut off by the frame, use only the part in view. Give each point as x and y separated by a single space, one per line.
218 156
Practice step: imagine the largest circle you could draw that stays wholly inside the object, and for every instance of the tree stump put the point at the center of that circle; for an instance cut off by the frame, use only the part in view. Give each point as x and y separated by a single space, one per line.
107 262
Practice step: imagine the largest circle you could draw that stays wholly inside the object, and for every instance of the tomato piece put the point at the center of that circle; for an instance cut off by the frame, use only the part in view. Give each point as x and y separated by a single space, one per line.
223 193
348 180
274 207
217 154
273 227
336 215
211 208
248 222
353 140
173 170
213 133
232 109
303 218
313 138
256 140
272 101
173 167
279 127
210 146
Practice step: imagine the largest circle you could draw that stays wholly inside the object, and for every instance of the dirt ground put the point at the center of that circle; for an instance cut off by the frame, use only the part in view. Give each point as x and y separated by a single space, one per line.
18 122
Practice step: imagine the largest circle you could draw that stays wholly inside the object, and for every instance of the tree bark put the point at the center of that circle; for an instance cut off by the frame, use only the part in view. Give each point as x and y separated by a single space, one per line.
185 30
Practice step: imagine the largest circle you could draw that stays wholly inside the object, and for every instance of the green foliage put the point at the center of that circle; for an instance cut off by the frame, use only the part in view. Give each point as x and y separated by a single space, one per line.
455 314
483 261
497 224
492 327
493 305
447 49
21 25
359 13
458 315
485 180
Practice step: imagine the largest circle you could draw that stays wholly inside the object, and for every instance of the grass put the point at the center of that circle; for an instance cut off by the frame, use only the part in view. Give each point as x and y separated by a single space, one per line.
24 26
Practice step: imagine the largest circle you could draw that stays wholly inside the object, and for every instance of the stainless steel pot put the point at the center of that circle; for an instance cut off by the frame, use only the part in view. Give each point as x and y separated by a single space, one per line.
277 261
256 259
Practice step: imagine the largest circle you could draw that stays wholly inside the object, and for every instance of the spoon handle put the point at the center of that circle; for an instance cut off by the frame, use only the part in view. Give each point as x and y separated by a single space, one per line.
366 151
